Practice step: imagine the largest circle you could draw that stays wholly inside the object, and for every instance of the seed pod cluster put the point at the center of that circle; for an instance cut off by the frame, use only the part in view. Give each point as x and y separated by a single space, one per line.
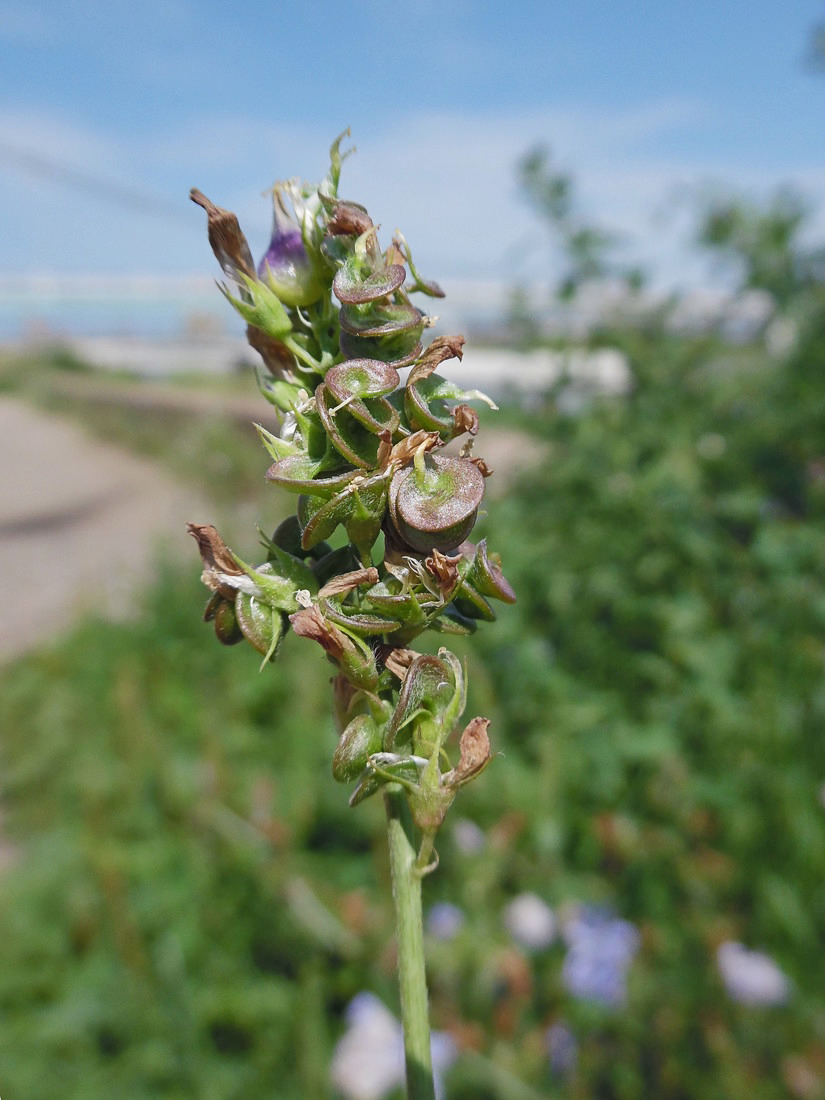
332 316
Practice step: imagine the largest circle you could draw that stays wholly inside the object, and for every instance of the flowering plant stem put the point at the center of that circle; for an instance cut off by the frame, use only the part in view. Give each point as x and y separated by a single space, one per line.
406 893
360 450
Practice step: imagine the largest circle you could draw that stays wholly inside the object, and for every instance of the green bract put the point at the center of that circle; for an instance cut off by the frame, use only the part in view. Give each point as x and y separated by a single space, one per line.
364 455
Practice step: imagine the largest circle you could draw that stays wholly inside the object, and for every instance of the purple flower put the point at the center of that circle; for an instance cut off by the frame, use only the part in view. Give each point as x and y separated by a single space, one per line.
750 977
285 265
468 837
445 920
600 948
562 1049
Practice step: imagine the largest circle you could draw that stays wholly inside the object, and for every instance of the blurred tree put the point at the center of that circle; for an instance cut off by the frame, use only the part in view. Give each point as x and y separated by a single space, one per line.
816 47
584 248
764 244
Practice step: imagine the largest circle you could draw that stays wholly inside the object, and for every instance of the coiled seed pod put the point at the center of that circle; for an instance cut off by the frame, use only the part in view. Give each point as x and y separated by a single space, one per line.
433 504
376 318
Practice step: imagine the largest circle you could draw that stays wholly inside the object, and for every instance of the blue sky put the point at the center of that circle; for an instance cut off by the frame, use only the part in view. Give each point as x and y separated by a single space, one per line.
646 103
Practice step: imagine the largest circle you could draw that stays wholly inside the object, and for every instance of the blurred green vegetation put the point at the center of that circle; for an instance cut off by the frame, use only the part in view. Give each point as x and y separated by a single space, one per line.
192 903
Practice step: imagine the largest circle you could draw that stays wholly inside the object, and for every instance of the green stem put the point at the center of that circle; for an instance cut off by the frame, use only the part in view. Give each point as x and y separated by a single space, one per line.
406 893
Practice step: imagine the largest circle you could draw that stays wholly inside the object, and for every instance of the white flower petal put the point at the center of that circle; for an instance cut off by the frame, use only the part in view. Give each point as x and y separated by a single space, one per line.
530 921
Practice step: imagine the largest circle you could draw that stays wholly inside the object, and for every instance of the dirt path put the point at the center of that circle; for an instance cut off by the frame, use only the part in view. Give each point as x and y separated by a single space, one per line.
80 522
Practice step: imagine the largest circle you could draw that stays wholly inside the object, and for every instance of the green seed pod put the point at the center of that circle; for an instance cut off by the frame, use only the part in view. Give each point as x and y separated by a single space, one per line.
227 628
358 742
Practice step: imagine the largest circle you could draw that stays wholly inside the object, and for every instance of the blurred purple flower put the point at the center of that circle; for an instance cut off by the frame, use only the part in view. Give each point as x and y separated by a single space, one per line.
368 1061
750 977
469 839
530 921
445 920
562 1049
600 948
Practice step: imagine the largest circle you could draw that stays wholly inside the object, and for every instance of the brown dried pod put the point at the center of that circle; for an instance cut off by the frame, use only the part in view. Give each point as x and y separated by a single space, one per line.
226 238
218 560
441 349
349 218
474 748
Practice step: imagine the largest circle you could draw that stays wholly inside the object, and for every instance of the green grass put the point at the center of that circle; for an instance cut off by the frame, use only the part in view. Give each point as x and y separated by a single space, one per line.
193 902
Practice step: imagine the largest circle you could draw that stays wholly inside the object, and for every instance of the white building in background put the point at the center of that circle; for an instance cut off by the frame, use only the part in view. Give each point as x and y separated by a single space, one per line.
171 324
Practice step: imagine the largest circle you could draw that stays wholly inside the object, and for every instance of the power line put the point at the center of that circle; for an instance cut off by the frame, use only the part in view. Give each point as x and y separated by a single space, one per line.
68 175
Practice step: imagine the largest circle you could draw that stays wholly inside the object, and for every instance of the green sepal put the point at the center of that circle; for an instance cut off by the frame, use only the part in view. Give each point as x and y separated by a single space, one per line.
357 443
376 414
360 378
398 349
298 473
472 604
358 280
425 402
425 286
452 622
336 249
360 510
265 310
358 664
328 189
381 318
280 393
430 703
349 653
277 586
357 620
320 518
403 605
363 525
293 569
278 448
404 771
262 625
314 436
